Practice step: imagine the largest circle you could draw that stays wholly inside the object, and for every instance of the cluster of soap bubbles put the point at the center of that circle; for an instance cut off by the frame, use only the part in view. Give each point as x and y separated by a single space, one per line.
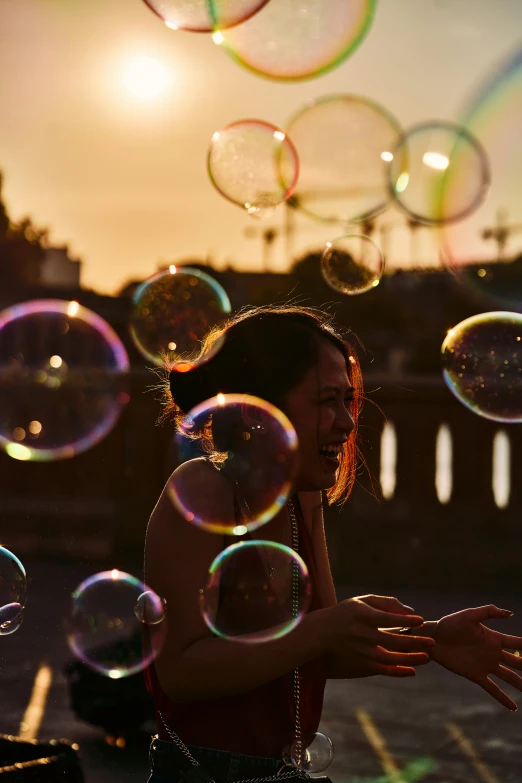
115 624
286 40
13 592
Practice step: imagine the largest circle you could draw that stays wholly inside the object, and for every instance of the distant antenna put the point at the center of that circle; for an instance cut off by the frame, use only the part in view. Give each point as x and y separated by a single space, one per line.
501 232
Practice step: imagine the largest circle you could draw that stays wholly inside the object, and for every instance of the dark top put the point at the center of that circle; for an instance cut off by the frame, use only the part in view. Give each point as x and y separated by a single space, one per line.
261 721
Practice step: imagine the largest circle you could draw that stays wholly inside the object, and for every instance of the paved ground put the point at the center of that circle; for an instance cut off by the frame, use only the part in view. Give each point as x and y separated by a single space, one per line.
436 727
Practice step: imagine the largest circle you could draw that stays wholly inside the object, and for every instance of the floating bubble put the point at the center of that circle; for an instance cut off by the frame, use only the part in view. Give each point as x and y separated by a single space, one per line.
203 16
299 39
314 754
149 608
253 164
11 618
485 250
13 592
482 365
173 310
248 595
63 375
439 173
104 629
352 264
342 141
255 448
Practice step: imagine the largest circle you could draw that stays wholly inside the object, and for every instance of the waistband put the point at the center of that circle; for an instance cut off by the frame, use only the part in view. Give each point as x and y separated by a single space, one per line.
222 765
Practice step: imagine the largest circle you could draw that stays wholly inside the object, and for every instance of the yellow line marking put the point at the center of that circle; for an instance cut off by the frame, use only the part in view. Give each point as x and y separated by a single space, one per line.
30 723
377 742
466 745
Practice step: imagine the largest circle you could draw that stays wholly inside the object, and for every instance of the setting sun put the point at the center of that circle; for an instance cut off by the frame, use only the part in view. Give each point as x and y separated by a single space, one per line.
146 78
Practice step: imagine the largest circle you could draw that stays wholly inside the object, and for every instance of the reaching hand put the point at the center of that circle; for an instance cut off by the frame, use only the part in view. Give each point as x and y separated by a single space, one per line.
361 645
466 647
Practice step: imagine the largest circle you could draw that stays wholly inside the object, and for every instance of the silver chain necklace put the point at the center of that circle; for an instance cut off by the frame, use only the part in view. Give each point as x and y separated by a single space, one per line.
295 681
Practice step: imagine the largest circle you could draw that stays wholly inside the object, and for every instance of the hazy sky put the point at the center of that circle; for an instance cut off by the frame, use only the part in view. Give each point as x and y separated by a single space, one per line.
123 181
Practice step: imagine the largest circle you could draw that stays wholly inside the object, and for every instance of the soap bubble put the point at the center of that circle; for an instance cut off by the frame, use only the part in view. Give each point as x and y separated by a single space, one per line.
299 39
352 264
248 594
256 448
173 310
203 16
482 365
485 250
253 164
13 592
314 754
63 375
439 173
105 621
149 608
11 618
342 142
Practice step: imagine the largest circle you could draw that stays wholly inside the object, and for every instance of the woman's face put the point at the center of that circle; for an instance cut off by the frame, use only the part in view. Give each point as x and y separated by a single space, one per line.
319 409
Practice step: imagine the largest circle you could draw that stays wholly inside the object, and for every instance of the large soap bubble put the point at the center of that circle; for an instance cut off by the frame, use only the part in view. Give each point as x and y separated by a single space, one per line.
253 164
172 312
343 142
203 16
485 250
13 592
439 173
105 619
299 39
249 592
313 754
63 375
482 365
255 462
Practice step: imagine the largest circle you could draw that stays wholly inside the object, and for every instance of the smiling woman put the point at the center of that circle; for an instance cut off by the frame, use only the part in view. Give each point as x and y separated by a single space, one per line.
146 78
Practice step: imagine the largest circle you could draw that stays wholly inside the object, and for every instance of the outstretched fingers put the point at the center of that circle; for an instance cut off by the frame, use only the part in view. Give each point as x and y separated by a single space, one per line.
498 694
514 661
511 642
513 679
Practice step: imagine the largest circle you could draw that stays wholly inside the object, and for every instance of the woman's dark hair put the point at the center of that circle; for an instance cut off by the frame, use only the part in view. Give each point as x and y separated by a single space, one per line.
265 352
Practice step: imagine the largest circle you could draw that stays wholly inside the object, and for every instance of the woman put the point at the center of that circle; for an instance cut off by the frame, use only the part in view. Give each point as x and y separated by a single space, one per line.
232 703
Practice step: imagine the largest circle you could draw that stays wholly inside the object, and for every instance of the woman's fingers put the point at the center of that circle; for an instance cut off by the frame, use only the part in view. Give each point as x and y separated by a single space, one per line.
498 694
395 671
386 604
396 641
390 658
511 642
514 661
513 679
381 619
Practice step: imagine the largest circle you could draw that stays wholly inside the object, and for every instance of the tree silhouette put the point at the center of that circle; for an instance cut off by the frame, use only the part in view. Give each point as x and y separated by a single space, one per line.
22 247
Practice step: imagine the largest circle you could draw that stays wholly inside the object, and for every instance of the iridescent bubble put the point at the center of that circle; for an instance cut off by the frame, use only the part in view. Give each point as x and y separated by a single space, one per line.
439 173
352 264
63 375
248 594
173 310
11 618
253 164
13 592
203 16
254 448
299 39
485 250
342 141
150 608
314 754
103 628
482 365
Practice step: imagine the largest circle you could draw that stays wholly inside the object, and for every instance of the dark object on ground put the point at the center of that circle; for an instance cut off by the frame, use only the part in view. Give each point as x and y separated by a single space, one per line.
30 761
119 707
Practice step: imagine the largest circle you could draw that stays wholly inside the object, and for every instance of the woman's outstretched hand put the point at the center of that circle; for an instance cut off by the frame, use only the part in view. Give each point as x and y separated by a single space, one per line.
361 645
466 647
